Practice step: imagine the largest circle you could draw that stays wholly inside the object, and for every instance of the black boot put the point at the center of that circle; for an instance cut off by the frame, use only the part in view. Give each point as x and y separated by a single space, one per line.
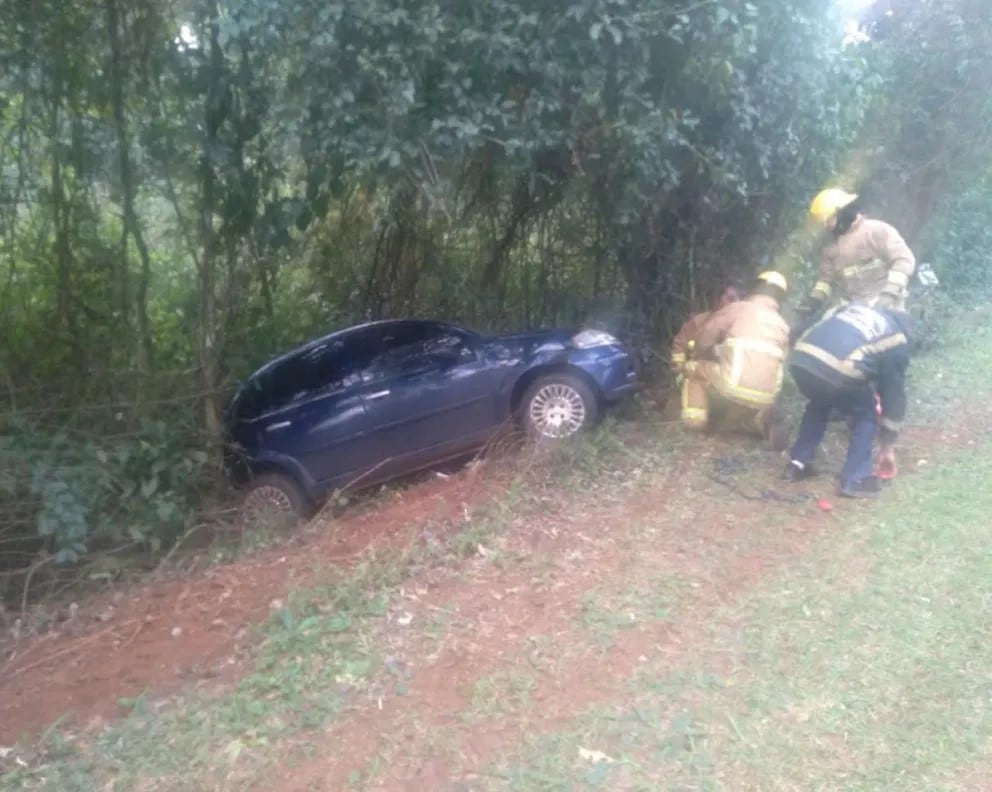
796 471
868 487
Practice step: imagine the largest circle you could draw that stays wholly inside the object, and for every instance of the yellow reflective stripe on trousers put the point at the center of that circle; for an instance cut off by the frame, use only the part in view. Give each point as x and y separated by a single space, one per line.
692 415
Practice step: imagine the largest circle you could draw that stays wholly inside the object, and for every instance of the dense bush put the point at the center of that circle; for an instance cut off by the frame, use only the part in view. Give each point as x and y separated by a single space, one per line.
962 243
77 492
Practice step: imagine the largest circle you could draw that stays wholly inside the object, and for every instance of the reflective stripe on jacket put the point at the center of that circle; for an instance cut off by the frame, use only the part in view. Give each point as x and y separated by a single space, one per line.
856 344
748 340
870 259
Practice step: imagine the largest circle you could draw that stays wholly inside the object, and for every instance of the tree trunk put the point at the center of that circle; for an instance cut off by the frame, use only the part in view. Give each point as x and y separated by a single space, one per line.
131 227
61 213
10 231
208 342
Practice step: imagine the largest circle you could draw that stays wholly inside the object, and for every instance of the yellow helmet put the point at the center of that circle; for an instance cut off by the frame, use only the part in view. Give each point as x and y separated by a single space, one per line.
827 202
773 278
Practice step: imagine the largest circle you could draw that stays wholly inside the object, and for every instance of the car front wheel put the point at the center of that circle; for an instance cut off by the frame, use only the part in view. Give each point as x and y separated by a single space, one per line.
558 406
273 500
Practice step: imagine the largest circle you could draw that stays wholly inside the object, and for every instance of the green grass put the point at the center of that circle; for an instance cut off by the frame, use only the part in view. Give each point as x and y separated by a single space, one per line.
501 693
313 653
866 667
644 595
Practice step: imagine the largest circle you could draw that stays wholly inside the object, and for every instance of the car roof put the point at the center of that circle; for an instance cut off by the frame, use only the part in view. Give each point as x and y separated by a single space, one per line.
338 334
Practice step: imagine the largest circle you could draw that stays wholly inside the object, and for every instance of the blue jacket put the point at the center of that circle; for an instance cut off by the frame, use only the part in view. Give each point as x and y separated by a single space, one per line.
857 344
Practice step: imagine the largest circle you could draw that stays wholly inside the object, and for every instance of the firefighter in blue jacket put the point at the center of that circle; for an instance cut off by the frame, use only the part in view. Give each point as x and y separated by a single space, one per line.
853 355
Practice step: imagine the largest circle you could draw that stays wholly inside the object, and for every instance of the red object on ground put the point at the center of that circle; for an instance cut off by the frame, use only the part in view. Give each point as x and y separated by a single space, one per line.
825 505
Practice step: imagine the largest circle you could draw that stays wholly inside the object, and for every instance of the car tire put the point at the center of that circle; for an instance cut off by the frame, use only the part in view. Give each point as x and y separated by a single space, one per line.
274 500
558 406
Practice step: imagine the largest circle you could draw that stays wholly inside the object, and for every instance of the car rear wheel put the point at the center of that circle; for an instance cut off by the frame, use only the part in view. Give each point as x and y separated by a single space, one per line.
274 500
557 406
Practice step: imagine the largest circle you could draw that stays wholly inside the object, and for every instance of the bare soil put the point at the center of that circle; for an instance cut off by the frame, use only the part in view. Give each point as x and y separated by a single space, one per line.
164 634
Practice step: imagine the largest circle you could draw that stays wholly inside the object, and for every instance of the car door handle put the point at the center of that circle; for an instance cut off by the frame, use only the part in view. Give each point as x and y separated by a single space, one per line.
377 395
280 425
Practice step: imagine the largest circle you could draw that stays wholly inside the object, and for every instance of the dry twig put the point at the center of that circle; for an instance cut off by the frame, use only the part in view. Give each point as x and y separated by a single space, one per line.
85 640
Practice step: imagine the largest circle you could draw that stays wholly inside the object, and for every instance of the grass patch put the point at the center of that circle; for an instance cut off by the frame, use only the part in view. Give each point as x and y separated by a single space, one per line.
866 667
651 597
501 693
314 653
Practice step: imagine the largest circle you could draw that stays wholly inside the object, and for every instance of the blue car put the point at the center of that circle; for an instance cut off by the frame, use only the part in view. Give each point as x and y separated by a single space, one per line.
384 399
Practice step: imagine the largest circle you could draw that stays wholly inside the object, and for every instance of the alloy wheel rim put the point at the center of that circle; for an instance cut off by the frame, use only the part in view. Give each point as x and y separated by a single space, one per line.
268 499
557 410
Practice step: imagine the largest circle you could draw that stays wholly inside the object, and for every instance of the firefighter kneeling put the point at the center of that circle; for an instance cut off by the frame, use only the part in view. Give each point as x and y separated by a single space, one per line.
843 362
736 363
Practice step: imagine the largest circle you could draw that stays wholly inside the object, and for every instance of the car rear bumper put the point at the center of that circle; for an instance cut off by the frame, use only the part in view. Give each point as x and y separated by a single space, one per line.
621 392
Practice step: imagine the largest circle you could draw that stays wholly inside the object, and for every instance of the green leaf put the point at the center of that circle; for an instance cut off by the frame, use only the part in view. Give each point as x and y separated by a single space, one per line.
357 668
339 622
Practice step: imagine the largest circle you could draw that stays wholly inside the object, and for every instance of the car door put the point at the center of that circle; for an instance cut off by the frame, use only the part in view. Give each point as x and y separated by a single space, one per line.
317 415
428 391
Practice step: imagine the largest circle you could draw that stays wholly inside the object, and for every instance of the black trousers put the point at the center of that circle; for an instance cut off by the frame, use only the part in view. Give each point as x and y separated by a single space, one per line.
856 403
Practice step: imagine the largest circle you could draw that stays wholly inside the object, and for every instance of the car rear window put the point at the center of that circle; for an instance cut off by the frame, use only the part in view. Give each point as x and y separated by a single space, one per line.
323 368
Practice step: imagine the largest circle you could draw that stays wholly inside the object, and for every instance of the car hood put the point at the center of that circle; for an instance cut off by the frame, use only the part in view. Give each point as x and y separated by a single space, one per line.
532 341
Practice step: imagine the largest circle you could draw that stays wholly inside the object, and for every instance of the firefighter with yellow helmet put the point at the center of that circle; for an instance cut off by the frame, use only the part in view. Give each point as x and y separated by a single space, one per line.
737 364
866 260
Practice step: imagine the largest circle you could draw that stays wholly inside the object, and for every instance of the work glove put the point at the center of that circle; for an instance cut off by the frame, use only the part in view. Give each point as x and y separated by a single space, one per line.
802 324
810 308
886 300
806 315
